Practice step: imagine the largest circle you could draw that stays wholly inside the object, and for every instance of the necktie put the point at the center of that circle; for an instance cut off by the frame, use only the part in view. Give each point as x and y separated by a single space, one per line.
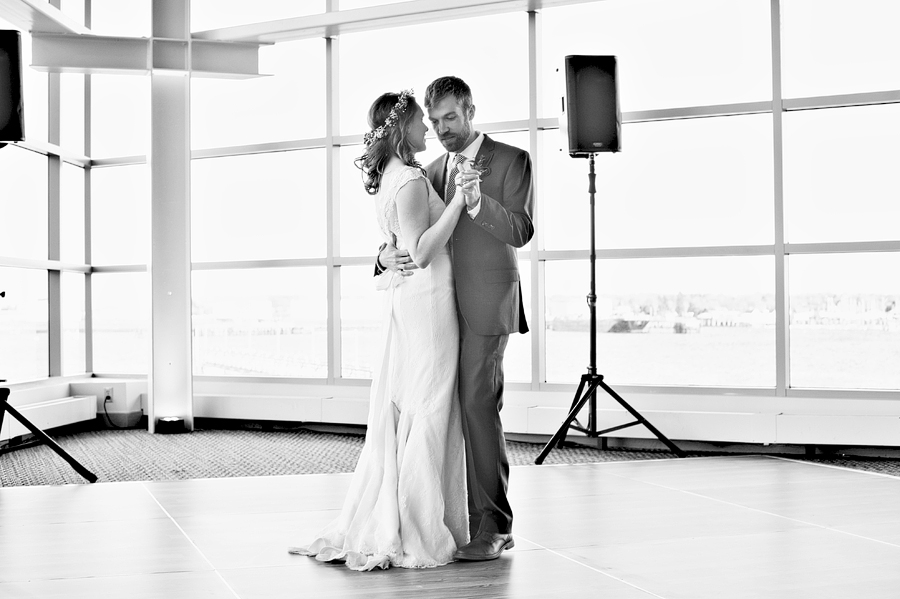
451 180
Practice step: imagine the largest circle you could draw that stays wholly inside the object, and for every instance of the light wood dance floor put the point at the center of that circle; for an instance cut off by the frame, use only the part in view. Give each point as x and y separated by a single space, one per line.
694 528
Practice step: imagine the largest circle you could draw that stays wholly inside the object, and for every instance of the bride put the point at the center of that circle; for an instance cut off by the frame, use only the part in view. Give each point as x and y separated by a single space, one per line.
407 504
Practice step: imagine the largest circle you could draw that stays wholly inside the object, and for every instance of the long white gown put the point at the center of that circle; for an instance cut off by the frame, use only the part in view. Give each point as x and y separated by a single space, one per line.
406 505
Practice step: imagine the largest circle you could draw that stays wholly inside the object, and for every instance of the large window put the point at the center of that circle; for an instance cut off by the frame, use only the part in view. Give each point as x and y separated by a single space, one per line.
840 183
845 320
260 322
43 231
361 314
72 113
120 215
111 17
71 214
737 247
711 185
23 204
120 109
837 47
73 323
665 321
24 316
359 233
212 14
121 317
287 105
374 62
255 206
670 54
24 349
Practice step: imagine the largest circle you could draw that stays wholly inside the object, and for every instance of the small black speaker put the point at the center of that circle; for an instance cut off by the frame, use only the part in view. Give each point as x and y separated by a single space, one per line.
170 425
592 105
12 112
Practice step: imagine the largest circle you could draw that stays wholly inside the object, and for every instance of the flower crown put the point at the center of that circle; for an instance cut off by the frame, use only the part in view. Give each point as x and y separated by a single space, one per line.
391 120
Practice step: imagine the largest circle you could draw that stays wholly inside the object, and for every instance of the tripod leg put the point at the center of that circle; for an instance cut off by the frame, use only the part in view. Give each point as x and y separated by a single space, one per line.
577 403
4 395
560 435
84 472
674 448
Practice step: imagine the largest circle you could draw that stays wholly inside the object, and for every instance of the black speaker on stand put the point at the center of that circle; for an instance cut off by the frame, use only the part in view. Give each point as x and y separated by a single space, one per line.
12 110
592 105
594 125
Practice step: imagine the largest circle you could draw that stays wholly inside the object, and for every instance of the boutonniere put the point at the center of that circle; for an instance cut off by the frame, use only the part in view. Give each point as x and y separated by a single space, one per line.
480 165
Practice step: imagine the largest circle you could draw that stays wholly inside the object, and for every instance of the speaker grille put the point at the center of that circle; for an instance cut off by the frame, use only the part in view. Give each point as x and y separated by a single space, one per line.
592 105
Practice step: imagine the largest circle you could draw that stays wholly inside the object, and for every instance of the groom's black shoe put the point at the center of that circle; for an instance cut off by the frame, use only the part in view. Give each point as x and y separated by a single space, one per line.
485 546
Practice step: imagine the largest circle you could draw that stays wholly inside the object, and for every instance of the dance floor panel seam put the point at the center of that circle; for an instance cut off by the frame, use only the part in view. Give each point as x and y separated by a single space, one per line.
799 521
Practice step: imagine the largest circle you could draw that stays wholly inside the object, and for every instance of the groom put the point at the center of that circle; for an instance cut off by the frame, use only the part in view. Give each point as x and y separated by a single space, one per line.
488 295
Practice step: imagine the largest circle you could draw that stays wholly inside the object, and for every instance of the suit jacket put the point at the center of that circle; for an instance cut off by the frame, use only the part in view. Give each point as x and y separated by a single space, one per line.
483 250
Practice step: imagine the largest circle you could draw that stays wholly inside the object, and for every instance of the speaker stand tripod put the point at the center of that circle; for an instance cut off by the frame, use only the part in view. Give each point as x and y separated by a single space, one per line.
42 436
591 381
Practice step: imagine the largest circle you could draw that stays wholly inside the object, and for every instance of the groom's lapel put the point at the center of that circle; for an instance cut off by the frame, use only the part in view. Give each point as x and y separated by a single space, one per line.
439 180
484 156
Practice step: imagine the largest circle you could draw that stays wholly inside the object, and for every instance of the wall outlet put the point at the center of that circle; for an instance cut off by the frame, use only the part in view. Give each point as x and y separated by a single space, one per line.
108 395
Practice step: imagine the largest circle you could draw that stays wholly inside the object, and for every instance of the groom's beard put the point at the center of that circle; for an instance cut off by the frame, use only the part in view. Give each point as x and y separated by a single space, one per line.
454 142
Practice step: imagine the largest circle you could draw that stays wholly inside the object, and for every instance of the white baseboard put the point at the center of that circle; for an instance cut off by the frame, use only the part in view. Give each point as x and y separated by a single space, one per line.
806 418
49 414
542 414
296 408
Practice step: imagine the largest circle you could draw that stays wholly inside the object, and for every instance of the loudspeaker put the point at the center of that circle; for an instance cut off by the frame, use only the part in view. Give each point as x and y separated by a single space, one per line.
12 113
592 105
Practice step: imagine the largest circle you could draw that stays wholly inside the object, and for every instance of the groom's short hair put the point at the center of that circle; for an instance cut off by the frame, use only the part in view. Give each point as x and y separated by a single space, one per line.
442 87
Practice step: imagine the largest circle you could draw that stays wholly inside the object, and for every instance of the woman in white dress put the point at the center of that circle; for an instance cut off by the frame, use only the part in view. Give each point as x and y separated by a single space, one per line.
407 502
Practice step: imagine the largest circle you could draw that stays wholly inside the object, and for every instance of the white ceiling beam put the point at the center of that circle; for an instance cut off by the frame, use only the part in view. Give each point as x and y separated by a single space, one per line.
330 24
225 60
65 53
38 15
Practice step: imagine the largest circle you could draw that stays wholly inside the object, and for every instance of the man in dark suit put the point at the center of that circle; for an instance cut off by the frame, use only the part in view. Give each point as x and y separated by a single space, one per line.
488 294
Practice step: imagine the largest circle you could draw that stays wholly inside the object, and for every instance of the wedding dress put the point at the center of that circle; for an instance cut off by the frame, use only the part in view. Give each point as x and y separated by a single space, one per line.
406 505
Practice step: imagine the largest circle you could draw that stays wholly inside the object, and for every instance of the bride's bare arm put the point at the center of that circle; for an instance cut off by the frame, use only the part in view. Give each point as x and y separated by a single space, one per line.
424 241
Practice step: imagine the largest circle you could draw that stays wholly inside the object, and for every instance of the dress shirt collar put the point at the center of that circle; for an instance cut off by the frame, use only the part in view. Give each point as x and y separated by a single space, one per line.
470 151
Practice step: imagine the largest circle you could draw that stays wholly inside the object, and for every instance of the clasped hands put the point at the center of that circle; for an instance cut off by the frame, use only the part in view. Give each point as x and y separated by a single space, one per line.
468 180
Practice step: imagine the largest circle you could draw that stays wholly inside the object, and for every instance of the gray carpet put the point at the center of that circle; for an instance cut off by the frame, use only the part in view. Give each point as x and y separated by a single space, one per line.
257 450
250 450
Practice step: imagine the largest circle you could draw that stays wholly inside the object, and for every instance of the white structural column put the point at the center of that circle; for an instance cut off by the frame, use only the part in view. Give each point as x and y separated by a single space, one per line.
171 57
170 384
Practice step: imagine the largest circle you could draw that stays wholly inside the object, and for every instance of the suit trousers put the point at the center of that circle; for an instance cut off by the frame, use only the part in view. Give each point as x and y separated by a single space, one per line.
481 399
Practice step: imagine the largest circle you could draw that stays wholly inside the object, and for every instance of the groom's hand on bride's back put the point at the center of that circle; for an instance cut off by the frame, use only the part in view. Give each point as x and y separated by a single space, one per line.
399 261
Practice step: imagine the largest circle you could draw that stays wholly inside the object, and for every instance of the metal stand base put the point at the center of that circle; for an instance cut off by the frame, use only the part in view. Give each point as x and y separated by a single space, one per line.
587 392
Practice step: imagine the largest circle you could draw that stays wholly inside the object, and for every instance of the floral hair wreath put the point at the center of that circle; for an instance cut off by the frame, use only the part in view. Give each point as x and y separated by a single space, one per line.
391 120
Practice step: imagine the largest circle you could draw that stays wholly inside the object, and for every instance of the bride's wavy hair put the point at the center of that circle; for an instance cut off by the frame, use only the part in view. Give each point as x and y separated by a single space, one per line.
393 141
